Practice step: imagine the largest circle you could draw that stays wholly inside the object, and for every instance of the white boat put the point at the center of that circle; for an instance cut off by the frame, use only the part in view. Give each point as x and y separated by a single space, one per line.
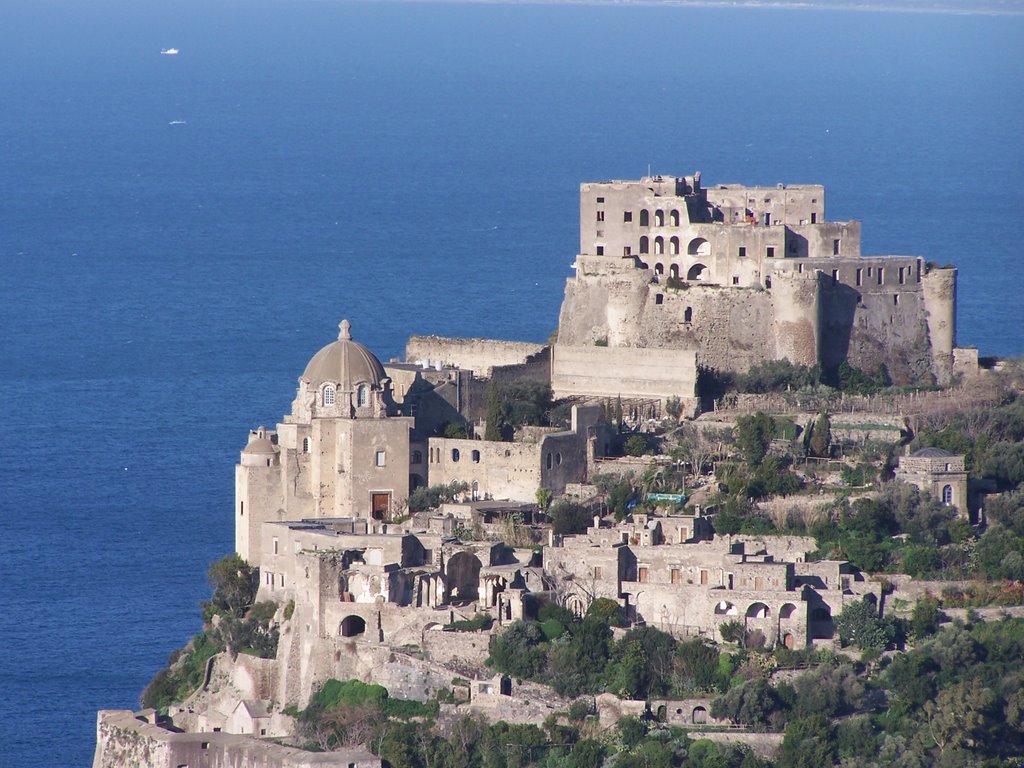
178 122
168 51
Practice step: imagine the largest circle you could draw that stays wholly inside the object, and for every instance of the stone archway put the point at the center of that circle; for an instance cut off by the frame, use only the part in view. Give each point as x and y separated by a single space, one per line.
463 575
352 626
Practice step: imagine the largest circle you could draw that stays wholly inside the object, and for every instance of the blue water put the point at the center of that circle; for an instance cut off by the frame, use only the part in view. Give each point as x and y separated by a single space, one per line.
413 168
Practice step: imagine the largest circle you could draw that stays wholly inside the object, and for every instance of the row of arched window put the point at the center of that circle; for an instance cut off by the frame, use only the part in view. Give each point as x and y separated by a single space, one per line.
659 218
330 394
698 246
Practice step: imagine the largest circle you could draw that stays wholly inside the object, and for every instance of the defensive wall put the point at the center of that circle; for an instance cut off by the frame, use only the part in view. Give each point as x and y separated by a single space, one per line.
478 355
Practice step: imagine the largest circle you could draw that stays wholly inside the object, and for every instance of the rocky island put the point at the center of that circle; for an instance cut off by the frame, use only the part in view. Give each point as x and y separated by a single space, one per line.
750 505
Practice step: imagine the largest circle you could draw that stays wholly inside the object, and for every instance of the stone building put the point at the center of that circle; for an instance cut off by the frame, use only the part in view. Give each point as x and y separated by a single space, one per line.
937 472
733 276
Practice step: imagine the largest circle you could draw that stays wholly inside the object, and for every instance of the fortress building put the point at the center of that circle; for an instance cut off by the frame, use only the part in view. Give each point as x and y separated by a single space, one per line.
672 277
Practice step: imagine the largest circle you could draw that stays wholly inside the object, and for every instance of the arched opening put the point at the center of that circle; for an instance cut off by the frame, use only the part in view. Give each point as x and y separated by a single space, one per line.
786 611
645 219
455 454
696 272
659 244
306 444
758 611
767 282
725 608
662 714
362 396
475 456
549 460
659 298
673 218
575 605
688 315
947 494
789 641
699 247
328 397
659 269
645 245
505 686
463 574
700 716
673 271
659 218
353 626
416 457
673 246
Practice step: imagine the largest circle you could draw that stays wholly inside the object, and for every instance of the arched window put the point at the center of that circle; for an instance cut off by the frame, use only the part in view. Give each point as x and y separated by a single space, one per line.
329 394
696 272
758 611
659 244
659 269
767 282
688 315
362 396
673 271
699 247
673 218
306 444
549 459
475 456
416 458
455 454
659 218
645 245
947 494
645 219
673 246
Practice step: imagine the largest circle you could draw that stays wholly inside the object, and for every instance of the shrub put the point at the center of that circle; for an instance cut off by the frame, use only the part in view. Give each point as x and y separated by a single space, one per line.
635 445
475 624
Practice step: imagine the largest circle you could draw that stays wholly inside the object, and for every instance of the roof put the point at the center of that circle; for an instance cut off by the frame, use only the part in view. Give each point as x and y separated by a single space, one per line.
931 453
259 443
344 362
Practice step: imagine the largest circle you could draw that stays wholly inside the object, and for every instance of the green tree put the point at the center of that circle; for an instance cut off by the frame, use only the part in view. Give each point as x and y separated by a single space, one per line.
496 425
860 624
753 436
568 517
809 743
234 585
819 437
635 445
515 651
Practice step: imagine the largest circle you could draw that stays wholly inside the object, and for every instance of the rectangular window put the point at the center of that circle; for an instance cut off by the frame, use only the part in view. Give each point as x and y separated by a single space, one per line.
859 271
641 575
275 545
600 199
743 251
704 577
600 250
380 459
814 218
735 279
626 250
800 268
895 299
675 576
903 275
881 275
835 247
597 571
770 252
600 215
767 219
835 276
627 216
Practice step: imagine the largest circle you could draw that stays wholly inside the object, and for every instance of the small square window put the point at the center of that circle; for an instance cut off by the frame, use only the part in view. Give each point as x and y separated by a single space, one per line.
735 279
380 458
600 199
600 250
743 251
627 216
770 252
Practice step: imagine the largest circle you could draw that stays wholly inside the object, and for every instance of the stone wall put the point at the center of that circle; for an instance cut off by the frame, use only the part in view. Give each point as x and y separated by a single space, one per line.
477 355
613 371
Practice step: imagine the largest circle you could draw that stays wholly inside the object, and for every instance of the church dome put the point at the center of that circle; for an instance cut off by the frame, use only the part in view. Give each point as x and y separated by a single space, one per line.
344 362
259 443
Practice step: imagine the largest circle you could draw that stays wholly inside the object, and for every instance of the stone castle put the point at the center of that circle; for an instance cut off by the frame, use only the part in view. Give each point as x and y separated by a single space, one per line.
670 277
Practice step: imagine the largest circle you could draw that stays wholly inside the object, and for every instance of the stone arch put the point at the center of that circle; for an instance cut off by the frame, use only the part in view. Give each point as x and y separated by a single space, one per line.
463 572
673 271
352 626
645 244
659 244
699 246
659 268
673 245
697 272
725 608
576 605
758 611
947 495
362 396
328 394
699 716
659 218
645 218
786 611
673 218
662 714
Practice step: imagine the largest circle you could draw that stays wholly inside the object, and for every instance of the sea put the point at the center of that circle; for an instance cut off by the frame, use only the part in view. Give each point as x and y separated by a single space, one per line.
180 233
